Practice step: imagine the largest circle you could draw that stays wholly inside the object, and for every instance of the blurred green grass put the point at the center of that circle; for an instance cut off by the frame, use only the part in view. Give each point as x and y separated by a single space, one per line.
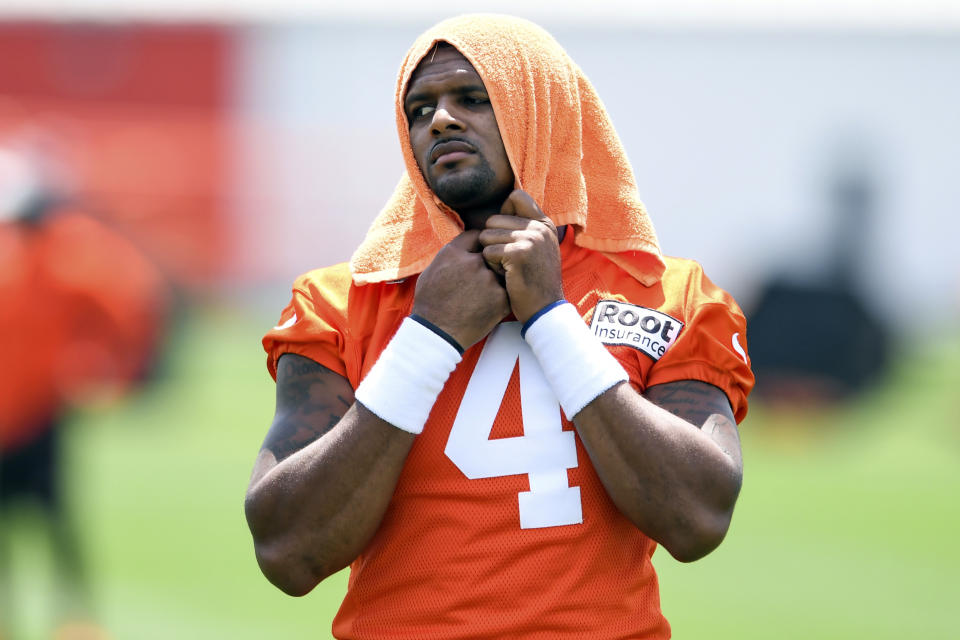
846 526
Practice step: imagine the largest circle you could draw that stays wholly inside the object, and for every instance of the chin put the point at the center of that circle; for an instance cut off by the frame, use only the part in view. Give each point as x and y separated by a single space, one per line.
462 193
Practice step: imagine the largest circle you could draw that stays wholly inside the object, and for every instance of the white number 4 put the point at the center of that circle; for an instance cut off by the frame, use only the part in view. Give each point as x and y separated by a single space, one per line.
544 452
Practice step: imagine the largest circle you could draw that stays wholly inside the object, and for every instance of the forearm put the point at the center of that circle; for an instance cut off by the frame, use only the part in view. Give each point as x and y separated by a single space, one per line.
312 513
670 478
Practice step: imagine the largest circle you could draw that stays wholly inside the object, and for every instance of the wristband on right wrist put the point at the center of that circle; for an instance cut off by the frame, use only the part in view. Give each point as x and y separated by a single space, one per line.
437 330
577 365
404 383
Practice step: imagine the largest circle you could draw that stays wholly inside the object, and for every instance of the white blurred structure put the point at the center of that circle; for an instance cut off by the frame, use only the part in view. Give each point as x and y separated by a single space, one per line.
924 14
738 115
735 135
19 184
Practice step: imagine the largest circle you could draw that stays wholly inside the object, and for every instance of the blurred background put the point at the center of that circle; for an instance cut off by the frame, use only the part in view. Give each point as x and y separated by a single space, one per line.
167 170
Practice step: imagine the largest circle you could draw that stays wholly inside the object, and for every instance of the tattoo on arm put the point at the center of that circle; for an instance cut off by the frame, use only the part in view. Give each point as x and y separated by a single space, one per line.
311 399
692 400
724 432
702 405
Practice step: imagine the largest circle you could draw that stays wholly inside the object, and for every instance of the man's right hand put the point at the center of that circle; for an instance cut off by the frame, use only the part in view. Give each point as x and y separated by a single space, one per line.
459 293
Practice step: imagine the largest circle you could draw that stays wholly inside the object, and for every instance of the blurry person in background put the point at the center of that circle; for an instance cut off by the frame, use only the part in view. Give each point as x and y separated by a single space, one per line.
818 340
81 318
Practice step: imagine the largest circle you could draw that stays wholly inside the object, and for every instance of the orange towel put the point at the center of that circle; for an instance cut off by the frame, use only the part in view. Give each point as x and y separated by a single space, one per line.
560 142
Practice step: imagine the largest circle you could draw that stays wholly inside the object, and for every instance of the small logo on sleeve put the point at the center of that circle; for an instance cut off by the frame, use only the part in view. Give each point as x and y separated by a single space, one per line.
646 330
292 320
735 340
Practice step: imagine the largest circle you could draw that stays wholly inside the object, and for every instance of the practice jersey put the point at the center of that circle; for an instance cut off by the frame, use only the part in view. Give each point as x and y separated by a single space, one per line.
480 541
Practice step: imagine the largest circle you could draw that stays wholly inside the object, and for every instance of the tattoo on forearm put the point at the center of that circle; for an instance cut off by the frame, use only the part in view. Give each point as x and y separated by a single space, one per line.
288 437
307 406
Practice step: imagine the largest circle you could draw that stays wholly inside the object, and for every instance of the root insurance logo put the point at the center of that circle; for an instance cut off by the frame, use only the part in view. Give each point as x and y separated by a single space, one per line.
646 330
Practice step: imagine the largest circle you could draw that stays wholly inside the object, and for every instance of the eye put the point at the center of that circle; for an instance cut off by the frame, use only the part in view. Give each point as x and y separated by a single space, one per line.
421 111
474 100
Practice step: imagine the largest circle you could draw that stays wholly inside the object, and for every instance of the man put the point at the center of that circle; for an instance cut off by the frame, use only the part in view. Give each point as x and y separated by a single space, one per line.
418 434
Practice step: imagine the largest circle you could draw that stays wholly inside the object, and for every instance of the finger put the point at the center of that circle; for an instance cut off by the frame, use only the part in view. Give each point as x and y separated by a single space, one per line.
493 256
513 229
522 205
467 241
496 236
508 208
511 222
497 269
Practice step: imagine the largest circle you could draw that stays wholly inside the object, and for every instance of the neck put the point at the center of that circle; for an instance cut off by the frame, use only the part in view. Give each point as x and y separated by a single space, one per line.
474 215
477 218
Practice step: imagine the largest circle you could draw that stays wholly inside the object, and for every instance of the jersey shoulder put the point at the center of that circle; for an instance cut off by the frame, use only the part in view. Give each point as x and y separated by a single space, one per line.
685 281
328 284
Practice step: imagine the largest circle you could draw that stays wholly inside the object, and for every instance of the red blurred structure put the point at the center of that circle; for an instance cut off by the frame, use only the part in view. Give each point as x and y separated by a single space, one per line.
137 113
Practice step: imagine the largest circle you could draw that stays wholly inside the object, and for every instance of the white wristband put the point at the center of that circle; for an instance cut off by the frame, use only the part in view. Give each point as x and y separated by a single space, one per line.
408 376
577 365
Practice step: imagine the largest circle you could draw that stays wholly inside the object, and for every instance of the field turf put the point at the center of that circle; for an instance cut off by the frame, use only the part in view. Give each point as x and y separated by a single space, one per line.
847 525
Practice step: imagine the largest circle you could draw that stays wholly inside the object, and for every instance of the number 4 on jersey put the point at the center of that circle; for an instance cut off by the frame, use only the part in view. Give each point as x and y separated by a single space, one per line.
544 452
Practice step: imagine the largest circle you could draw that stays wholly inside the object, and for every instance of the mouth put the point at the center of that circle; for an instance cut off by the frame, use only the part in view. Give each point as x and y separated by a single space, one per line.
450 151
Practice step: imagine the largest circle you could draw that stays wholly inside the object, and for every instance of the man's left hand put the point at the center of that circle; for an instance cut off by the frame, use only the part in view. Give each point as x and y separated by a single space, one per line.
521 245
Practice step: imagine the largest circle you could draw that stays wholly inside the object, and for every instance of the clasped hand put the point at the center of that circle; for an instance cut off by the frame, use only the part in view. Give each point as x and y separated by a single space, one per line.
480 276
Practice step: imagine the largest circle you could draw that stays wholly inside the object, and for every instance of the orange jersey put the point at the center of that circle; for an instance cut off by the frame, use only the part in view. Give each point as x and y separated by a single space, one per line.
482 540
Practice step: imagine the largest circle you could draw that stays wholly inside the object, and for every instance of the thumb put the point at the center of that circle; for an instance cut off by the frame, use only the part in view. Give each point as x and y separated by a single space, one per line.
509 207
519 203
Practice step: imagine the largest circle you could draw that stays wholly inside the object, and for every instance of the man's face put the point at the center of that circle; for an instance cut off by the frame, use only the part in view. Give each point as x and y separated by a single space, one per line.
454 133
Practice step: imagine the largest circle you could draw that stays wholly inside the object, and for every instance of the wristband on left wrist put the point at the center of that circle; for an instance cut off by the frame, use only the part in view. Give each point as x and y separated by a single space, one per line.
577 365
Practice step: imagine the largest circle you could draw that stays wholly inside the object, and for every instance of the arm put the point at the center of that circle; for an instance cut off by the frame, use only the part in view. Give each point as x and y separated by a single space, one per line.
323 478
670 461
329 466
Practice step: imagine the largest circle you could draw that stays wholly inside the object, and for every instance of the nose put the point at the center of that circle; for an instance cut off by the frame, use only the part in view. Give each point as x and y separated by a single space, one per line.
445 119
